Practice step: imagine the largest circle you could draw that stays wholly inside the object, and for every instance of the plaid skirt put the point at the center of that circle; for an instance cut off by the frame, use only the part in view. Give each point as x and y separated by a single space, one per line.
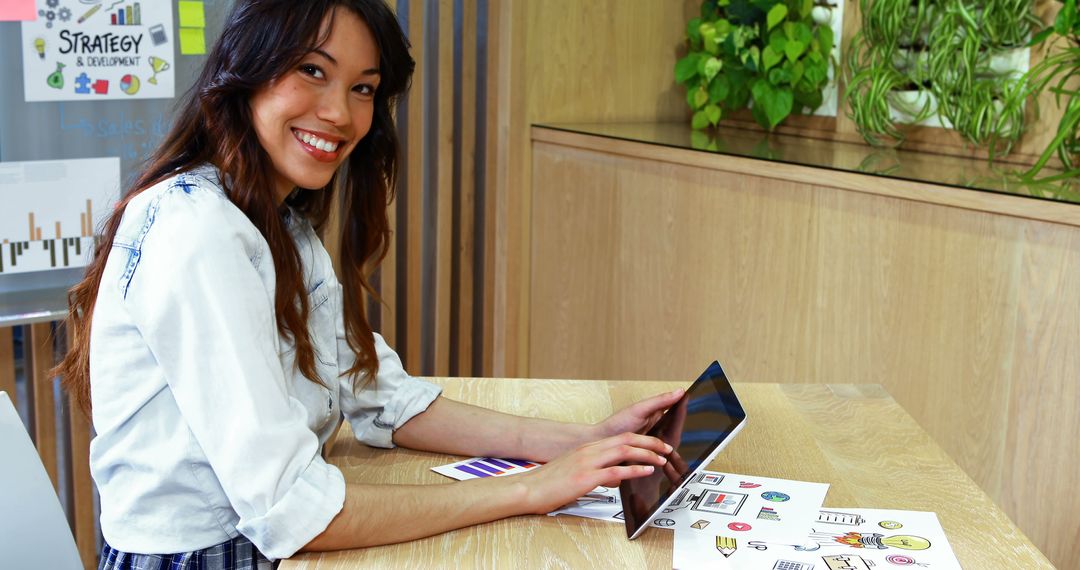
237 553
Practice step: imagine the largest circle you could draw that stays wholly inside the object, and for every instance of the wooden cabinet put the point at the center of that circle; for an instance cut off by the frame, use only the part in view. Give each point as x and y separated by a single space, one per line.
648 262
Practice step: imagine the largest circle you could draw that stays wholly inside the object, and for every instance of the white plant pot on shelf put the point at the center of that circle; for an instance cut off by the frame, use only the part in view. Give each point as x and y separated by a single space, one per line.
905 106
915 64
1008 62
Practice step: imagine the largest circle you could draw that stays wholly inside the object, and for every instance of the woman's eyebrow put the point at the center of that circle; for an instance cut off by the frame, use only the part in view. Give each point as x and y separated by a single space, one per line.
324 54
370 71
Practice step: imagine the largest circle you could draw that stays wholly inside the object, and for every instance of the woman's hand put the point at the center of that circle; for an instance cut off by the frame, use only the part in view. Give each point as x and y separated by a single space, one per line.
638 417
599 463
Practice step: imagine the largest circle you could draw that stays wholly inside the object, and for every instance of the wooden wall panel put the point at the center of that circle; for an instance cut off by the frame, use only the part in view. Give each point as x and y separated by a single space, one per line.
649 270
413 234
426 280
1040 472
465 175
40 361
564 60
444 184
7 365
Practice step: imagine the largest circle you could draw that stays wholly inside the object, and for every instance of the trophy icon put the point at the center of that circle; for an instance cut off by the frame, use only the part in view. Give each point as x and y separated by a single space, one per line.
158 65
56 78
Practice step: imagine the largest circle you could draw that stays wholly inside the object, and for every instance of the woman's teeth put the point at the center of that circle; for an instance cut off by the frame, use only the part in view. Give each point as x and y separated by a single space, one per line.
316 142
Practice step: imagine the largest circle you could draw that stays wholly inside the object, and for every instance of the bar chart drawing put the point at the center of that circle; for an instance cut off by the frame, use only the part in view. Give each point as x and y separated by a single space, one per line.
42 204
480 467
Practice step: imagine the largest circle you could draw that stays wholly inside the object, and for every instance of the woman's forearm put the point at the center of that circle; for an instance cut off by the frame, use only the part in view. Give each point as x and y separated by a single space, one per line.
461 429
386 514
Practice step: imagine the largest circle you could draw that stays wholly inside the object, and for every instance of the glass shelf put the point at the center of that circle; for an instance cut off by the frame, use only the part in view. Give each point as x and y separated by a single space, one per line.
960 172
33 306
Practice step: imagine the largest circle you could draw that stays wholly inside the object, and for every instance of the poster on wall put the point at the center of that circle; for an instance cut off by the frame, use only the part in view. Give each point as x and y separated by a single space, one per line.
51 210
78 50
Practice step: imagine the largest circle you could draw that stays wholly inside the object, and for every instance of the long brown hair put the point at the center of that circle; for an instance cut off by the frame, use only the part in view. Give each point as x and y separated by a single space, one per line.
263 40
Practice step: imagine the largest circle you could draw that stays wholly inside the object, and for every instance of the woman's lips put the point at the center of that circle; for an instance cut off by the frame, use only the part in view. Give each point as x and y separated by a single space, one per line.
320 148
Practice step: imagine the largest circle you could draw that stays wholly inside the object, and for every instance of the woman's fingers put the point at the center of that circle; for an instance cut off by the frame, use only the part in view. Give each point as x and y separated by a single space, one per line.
654 406
672 472
630 454
636 440
619 473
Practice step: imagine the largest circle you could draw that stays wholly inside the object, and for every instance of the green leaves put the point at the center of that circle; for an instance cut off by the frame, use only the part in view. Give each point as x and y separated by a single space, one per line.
687 68
1068 20
776 15
713 113
825 39
719 89
701 97
712 66
793 49
699 121
770 57
766 55
693 32
774 102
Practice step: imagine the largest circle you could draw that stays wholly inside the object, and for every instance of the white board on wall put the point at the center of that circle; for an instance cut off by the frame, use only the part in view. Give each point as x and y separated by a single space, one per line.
51 210
79 50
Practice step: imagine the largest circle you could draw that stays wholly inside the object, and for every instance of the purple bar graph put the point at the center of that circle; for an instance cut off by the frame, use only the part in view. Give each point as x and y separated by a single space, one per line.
485 467
471 471
521 462
498 463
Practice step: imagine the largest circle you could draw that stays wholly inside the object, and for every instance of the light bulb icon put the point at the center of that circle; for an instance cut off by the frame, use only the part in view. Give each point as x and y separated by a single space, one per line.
906 542
39 45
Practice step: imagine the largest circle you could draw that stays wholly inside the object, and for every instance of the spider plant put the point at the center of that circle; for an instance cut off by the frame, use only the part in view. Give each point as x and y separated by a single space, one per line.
1007 23
871 78
943 48
1055 73
872 72
971 99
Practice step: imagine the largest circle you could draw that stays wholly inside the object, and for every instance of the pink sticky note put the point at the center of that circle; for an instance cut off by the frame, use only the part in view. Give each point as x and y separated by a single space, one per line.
17 10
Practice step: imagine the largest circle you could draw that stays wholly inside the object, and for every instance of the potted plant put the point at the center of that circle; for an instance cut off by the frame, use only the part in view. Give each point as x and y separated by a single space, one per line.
947 63
771 56
1054 73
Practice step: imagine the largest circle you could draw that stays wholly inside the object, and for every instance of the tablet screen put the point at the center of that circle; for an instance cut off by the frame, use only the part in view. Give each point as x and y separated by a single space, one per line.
695 426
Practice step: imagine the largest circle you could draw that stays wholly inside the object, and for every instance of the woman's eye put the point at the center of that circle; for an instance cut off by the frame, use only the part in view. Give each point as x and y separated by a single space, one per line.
312 70
365 89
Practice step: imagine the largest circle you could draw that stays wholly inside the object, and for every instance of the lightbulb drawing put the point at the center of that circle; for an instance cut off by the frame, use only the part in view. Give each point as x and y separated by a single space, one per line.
158 65
871 541
39 45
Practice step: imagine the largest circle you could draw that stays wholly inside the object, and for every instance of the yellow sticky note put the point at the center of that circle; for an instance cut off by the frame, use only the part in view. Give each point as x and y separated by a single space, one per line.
191 14
192 41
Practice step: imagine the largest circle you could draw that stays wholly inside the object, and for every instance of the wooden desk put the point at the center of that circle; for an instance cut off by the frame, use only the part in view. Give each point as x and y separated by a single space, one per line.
854 437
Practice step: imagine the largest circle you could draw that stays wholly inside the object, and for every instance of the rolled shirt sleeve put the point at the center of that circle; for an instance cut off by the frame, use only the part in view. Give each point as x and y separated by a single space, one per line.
207 315
381 406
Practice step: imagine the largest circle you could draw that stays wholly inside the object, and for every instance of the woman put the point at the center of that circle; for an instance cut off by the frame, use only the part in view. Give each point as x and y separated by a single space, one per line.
220 351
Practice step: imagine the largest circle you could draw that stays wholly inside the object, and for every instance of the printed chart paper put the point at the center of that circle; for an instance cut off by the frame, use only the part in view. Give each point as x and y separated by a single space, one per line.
478 467
80 50
841 539
51 209
744 506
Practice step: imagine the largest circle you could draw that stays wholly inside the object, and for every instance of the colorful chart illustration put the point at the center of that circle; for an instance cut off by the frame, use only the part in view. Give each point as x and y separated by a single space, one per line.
51 210
841 539
98 49
479 467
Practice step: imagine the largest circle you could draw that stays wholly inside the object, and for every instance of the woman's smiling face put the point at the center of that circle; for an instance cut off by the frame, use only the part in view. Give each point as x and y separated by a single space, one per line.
311 118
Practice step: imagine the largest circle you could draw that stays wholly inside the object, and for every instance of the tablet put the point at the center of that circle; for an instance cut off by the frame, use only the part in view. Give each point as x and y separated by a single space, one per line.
698 426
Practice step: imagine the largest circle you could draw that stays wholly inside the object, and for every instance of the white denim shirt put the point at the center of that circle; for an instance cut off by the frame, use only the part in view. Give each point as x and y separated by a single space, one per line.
205 428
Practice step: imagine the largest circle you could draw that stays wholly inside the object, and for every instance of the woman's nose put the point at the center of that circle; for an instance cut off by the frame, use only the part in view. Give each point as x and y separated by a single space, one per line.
334 108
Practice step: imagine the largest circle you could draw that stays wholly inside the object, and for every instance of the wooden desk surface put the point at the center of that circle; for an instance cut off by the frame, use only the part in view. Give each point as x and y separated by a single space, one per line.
854 437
